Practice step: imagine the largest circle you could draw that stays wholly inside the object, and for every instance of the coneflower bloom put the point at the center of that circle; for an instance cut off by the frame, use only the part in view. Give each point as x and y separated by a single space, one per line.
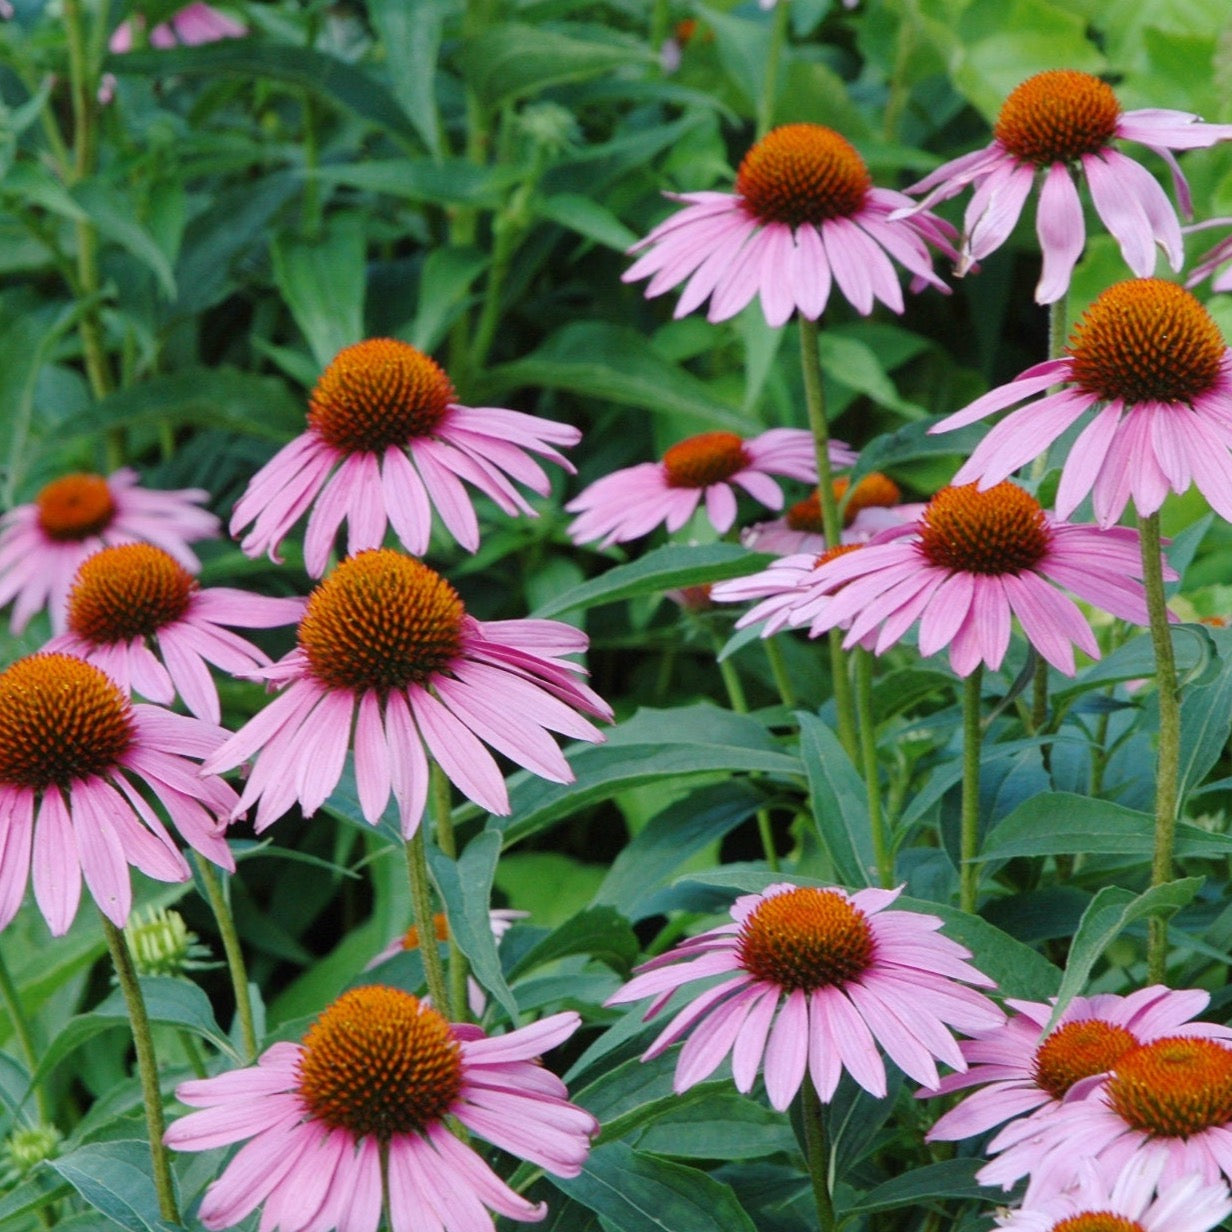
378 1077
77 760
190 26
43 544
1022 1072
1152 359
387 444
632 501
1210 261
386 644
1057 122
137 613
816 981
1168 1100
972 562
804 216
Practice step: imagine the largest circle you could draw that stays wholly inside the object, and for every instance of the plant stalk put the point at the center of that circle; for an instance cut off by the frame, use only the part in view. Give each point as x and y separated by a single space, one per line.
442 813
872 777
425 924
970 835
220 904
816 1153
770 82
25 1037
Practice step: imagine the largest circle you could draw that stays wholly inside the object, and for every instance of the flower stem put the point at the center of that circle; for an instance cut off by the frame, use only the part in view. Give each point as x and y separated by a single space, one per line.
1168 754
220 905
969 842
421 905
872 777
770 81
147 1067
815 404
25 1038
816 1153
442 813
778 669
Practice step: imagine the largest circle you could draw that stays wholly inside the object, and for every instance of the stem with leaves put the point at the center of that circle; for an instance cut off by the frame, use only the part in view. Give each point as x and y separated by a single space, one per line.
217 893
969 842
442 815
425 921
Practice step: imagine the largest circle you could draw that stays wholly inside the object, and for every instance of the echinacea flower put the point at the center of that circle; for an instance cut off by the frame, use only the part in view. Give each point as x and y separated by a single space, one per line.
137 613
816 980
972 562
1056 122
805 215
1022 1072
77 760
1104 1200
388 444
1210 261
43 544
374 1086
631 502
386 644
1152 359
190 26
1170 1099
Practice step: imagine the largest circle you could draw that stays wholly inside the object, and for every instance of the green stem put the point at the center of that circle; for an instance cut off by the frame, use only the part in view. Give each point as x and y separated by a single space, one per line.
216 892
872 774
778 669
816 1153
425 923
147 1068
442 813
970 837
193 1053
770 82
25 1038
1167 770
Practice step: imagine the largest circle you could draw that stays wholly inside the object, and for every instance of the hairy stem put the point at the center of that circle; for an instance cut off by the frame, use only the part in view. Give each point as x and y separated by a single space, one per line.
770 82
442 814
425 924
970 834
216 892
816 1153
872 777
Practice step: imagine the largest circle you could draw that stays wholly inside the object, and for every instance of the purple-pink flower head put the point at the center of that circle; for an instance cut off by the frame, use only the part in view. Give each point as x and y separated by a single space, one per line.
389 444
386 645
79 765
373 1088
805 215
816 981
1152 359
1057 122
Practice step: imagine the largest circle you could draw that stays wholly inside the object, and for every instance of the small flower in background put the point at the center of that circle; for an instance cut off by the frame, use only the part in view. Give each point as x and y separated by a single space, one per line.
972 562
126 597
805 215
1152 358
631 502
380 1075
190 26
75 756
387 443
1167 1105
43 544
1019 1073
161 943
1052 122
1210 261
845 976
386 643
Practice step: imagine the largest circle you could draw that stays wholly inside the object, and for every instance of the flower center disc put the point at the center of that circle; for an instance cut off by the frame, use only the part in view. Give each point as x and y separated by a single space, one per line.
1078 1050
128 591
1002 530
1097 1221
1057 116
702 460
378 393
1146 340
835 552
75 507
60 719
803 173
381 621
1173 1087
807 939
379 1062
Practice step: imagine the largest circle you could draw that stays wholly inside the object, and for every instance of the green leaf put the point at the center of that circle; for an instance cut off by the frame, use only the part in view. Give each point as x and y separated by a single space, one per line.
614 363
444 285
672 566
113 214
1135 660
322 279
951 1178
856 365
587 217
37 1191
840 804
115 1179
601 932
722 1125
632 1192
1206 721
448 181
913 442
410 33
33 184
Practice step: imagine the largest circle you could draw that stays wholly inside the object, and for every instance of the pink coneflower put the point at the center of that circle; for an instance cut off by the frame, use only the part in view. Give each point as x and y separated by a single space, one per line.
137 613
1170 1099
974 560
844 975
386 643
190 26
43 544
1022 1072
1210 261
76 759
804 215
1152 358
631 502
388 442
1102 1200
382 1075
1054 122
